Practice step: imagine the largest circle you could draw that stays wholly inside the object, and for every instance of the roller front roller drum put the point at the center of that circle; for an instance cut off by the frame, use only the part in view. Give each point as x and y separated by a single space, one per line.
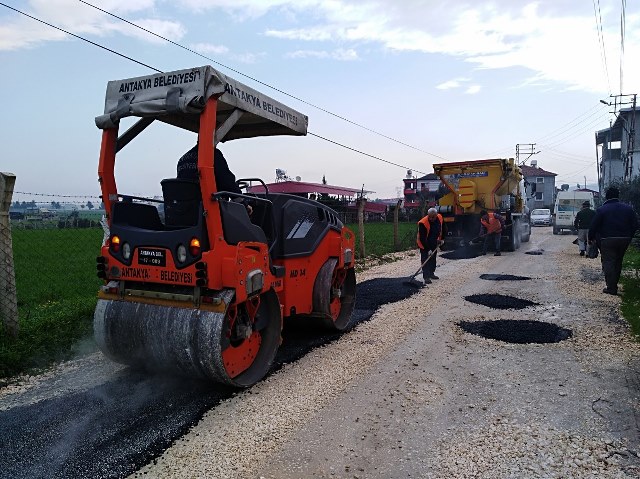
235 346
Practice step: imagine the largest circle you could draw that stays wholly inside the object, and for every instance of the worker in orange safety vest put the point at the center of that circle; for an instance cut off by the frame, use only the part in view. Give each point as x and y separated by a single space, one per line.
491 226
429 237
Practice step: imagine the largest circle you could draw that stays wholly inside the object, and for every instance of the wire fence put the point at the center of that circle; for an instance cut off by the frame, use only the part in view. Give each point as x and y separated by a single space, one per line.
53 253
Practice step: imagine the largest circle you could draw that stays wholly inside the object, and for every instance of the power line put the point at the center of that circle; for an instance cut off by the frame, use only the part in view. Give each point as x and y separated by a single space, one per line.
566 127
574 134
160 71
555 132
359 125
603 51
79 37
365 154
623 27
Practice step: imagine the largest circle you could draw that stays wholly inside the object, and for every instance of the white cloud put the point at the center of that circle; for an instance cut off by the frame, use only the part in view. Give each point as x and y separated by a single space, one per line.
555 40
248 57
19 32
209 49
318 34
473 89
339 54
454 83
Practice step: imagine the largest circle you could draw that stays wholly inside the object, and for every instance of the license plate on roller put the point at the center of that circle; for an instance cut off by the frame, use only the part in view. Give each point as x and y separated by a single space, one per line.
152 257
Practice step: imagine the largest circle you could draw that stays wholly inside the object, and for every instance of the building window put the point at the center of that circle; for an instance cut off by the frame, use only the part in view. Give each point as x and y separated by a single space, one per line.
539 179
538 195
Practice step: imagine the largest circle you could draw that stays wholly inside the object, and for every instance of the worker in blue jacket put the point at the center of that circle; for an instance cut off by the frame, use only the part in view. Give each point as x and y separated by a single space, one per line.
613 227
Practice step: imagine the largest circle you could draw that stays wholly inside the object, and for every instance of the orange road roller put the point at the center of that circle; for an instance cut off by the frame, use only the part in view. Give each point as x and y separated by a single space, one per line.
195 283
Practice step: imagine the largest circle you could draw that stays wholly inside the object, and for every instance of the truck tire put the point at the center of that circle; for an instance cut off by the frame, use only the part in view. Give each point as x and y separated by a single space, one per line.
513 236
527 237
556 231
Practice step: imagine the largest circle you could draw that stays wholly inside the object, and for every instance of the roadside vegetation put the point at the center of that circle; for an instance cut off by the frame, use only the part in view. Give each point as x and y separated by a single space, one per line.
378 237
631 283
57 284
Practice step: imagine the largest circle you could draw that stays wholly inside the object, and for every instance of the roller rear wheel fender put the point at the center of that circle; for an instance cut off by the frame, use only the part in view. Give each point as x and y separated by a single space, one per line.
334 293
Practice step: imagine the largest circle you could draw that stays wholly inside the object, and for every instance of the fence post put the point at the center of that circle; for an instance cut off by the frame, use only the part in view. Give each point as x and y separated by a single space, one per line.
361 202
8 300
396 238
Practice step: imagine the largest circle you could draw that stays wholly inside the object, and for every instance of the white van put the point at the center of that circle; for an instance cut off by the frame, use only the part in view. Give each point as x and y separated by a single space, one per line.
568 203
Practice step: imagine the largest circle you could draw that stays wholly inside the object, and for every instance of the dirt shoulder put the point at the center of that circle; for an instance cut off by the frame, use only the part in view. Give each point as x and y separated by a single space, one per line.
409 394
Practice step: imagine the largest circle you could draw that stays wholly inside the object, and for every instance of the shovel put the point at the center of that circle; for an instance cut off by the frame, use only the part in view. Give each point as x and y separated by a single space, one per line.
411 281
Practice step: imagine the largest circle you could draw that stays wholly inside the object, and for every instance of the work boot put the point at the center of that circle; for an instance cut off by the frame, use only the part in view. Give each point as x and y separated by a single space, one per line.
581 253
498 253
484 253
427 281
610 291
433 276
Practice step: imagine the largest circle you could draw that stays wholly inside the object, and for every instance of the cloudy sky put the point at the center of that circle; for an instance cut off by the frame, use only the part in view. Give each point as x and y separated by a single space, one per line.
412 82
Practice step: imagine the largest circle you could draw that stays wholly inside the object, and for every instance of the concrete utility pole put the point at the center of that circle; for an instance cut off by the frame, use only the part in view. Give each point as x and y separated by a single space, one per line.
8 300
361 202
396 238
629 126
528 149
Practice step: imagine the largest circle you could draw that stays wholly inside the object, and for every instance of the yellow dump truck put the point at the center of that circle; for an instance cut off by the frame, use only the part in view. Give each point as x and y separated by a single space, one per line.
472 186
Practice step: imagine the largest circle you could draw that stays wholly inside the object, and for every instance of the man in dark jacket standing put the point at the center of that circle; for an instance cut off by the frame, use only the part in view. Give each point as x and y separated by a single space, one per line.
582 224
612 227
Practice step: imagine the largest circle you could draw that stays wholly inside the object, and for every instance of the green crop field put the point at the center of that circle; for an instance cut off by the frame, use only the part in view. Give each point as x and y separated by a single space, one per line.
378 237
56 285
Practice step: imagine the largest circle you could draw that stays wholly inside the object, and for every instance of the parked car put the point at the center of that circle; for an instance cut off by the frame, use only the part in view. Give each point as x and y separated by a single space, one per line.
541 217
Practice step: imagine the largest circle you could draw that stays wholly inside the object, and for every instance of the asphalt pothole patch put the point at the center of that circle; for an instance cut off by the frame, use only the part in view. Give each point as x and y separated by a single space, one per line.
535 252
503 277
517 331
461 253
500 301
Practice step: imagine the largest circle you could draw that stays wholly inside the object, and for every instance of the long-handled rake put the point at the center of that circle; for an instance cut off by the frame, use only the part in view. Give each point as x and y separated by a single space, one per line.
411 281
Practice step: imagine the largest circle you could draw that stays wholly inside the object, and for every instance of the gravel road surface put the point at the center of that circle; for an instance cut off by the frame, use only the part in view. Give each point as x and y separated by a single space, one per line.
406 393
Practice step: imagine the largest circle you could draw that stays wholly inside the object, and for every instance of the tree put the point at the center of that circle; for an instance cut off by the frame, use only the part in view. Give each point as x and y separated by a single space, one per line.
630 193
89 205
324 180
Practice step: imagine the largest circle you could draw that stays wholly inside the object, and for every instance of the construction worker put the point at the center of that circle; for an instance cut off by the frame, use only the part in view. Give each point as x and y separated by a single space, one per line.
582 223
429 238
491 226
187 169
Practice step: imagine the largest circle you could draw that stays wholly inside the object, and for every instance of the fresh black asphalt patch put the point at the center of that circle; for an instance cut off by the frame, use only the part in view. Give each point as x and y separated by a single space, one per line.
535 252
500 301
503 277
462 253
112 430
516 331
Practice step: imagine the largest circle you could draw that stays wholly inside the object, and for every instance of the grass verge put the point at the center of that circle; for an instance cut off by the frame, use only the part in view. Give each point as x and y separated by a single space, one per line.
56 285
630 280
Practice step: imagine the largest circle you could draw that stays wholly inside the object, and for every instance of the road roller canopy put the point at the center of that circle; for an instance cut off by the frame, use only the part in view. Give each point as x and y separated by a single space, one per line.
180 96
